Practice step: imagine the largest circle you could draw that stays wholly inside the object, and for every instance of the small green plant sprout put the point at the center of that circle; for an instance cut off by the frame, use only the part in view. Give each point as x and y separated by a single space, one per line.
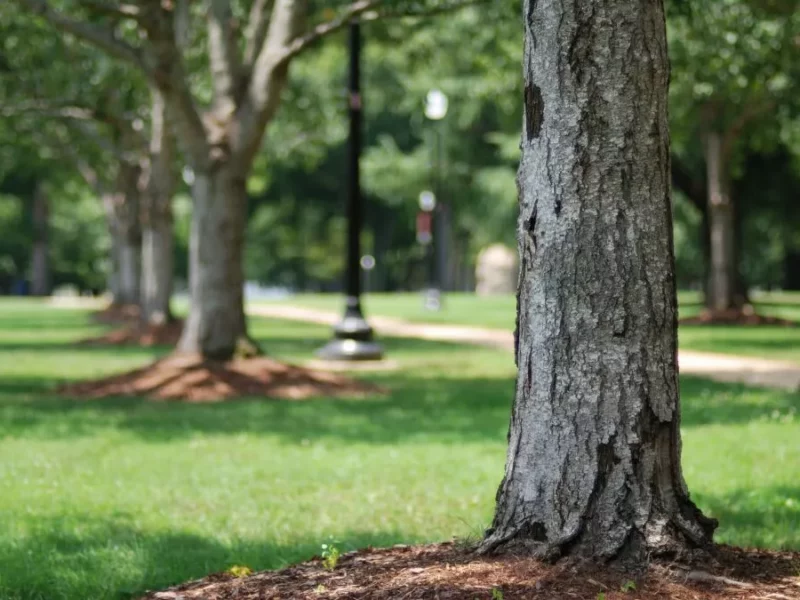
601 596
320 589
497 594
330 555
240 571
628 586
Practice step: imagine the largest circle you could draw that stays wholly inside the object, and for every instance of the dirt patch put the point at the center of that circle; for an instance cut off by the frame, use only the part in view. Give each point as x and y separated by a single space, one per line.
115 314
737 316
450 572
138 335
192 379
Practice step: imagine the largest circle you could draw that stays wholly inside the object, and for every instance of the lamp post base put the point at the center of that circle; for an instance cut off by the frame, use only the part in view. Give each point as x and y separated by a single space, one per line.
432 299
352 337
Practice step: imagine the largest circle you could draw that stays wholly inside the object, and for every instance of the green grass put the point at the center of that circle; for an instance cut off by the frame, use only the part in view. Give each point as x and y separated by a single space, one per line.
498 312
104 499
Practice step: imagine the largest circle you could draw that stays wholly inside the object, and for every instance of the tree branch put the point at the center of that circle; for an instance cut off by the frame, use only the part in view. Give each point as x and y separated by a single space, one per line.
223 55
100 37
256 31
122 11
298 44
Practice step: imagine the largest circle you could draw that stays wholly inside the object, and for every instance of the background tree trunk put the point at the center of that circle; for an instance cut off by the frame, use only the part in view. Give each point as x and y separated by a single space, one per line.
216 327
40 264
721 294
122 213
157 222
593 463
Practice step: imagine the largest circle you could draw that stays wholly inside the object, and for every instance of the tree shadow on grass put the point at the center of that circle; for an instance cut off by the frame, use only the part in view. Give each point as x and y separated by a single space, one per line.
82 557
762 517
435 408
705 402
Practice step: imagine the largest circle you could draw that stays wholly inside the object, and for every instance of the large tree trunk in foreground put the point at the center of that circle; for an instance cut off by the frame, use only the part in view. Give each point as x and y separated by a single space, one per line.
722 290
157 223
593 463
40 263
216 326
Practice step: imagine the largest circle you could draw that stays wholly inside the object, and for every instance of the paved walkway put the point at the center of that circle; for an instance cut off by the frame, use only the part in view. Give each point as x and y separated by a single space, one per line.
719 367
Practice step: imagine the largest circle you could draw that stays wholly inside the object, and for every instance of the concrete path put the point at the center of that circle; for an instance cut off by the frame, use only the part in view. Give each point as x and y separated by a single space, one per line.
719 367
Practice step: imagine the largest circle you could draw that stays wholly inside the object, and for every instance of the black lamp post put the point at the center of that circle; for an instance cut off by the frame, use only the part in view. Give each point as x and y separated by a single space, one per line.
352 336
436 110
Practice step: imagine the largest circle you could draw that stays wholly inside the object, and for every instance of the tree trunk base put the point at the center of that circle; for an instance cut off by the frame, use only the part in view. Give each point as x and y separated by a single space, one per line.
744 315
683 536
117 313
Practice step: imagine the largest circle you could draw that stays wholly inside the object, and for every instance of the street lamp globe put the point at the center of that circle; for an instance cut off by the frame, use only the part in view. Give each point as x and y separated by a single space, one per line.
436 105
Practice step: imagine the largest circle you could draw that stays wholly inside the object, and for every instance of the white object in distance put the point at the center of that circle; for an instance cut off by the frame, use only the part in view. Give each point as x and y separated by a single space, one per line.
436 105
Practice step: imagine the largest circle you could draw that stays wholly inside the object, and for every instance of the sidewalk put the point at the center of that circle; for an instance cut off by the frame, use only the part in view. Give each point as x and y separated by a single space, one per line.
718 367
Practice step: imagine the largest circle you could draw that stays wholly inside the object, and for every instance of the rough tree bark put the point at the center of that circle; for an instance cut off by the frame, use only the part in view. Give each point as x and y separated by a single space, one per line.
593 464
156 219
721 294
40 264
122 214
216 326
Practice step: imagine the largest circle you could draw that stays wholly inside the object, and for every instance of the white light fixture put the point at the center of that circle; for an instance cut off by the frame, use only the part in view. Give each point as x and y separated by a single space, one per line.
427 201
188 175
436 105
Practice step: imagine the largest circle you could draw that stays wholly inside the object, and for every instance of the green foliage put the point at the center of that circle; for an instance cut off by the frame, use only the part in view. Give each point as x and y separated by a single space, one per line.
330 554
497 594
240 571
628 586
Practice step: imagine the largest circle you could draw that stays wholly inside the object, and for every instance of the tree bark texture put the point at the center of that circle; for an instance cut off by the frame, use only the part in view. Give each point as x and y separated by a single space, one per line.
157 222
40 263
593 464
216 326
122 214
721 294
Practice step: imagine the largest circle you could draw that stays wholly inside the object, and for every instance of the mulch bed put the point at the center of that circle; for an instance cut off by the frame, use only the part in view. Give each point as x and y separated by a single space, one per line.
114 314
736 316
138 335
190 378
450 572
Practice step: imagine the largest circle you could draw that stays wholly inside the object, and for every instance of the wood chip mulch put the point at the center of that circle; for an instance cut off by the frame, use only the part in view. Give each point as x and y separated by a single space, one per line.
743 316
451 572
190 378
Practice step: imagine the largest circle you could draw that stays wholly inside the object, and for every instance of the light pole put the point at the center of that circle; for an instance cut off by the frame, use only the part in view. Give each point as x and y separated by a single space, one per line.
352 336
436 110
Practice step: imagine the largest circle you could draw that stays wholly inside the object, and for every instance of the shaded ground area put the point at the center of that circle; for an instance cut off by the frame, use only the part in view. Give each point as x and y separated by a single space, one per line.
189 378
450 572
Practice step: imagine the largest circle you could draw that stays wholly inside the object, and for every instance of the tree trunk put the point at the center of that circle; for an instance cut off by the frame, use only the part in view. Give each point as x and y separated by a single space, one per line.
122 213
216 327
157 224
157 268
721 295
593 464
40 264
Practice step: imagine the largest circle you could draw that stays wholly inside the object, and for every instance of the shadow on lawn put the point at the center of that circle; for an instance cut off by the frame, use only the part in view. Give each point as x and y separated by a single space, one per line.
441 409
80 557
762 517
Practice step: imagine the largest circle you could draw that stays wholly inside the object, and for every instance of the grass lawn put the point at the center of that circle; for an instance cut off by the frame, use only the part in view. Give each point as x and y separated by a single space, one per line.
498 312
104 499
